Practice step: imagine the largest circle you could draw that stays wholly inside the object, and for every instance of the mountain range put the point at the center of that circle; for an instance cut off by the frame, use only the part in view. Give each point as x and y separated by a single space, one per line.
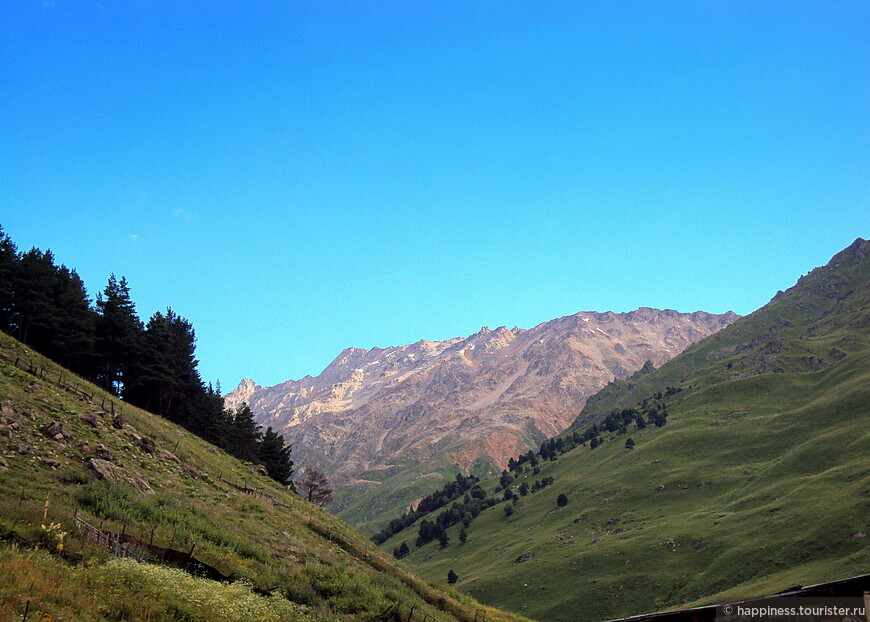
386 424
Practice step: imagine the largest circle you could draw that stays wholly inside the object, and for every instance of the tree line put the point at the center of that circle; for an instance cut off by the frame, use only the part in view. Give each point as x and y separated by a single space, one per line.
150 365
652 411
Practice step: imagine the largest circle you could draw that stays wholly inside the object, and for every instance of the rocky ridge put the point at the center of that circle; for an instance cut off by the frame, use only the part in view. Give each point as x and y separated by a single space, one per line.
472 401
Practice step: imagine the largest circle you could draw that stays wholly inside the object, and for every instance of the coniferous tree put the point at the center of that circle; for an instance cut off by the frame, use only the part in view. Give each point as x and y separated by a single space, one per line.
8 266
562 500
452 577
72 340
245 434
118 334
463 535
275 456
33 310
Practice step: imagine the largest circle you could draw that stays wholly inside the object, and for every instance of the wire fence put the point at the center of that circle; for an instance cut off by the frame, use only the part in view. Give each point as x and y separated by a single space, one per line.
70 383
110 541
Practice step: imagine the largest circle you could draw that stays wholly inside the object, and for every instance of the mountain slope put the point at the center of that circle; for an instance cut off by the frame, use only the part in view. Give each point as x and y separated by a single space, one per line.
387 424
58 432
759 480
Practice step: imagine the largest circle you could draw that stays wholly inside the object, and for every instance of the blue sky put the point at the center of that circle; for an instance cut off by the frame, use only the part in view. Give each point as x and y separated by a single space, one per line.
299 177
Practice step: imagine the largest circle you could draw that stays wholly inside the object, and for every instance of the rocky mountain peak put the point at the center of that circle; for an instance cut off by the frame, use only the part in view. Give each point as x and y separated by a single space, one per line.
467 401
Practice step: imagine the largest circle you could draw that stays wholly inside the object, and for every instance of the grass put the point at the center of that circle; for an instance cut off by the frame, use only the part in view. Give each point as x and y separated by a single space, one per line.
317 566
757 482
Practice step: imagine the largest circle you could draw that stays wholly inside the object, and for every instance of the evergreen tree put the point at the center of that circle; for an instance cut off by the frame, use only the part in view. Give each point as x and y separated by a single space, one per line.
452 577
463 535
8 267
74 330
275 456
245 435
508 510
443 538
524 489
118 335
33 310
629 443
562 500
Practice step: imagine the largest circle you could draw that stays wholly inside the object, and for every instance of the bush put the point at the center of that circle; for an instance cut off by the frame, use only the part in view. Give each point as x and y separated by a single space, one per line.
562 500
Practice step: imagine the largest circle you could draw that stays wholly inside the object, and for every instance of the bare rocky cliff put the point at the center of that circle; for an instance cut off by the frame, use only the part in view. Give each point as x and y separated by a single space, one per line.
470 402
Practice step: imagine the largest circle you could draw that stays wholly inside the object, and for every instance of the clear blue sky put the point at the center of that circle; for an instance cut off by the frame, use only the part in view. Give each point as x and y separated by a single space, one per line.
298 177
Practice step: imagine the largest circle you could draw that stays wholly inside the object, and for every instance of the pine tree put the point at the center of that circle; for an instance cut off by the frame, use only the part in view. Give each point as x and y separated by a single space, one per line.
74 331
245 434
452 577
463 535
8 267
33 309
562 500
629 443
275 456
443 538
118 334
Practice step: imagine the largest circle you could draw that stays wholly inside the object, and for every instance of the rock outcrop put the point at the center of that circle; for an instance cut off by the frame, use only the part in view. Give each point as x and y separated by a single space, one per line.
114 473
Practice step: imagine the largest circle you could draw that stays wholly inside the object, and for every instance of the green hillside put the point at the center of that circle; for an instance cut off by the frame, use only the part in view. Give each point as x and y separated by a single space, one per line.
760 479
288 559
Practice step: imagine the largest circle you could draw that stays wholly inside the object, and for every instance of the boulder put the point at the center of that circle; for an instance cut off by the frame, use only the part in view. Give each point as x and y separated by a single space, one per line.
6 408
51 462
91 419
188 471
111 472
104 453
117 422
523 558
147 445
259 469
24 449
54 429
168 455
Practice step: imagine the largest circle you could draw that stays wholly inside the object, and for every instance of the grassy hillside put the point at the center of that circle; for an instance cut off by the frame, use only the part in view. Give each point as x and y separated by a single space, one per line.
759 481
313 565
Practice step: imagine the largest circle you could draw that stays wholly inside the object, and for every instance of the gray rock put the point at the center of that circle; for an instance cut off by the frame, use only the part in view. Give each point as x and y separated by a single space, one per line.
168 455
111 472
523 558
50 462
24 449
54 429
147 445
91 419
104 453
117 422
6 408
